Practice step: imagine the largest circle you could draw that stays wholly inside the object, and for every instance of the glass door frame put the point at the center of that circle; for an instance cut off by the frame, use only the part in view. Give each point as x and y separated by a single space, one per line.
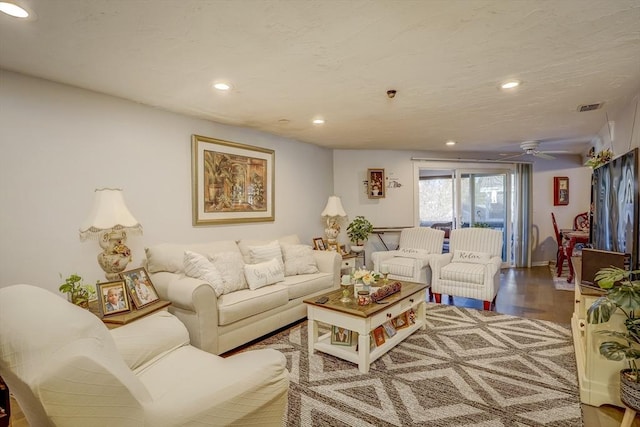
470 168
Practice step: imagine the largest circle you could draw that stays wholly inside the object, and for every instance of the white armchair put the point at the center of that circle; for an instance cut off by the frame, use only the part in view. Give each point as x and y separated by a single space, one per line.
471 268
410 262
65 368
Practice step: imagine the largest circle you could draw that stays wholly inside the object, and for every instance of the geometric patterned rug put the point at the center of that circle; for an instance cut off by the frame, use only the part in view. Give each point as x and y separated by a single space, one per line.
468 368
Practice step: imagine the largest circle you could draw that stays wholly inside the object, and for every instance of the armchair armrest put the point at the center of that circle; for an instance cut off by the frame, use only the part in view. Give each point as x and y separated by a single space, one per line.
149 338
380 257
438 261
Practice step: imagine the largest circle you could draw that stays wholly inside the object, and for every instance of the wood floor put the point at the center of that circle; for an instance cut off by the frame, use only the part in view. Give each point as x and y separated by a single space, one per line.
525 293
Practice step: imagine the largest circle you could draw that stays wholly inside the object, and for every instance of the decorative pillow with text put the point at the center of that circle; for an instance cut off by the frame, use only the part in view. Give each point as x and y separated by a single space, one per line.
264 273
471 257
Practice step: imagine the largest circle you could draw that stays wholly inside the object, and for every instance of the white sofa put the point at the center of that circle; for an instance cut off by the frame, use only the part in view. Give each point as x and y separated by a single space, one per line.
65 368
220 323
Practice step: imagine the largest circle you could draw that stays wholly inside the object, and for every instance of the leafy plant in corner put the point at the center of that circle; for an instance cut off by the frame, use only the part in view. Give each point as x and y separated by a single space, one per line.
359 229
623 296
77 292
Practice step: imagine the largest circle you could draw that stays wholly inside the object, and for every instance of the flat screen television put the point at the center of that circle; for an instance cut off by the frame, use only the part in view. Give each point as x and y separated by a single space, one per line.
615 206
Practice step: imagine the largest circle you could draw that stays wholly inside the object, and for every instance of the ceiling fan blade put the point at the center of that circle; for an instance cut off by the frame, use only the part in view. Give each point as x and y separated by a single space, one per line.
512 157
543 155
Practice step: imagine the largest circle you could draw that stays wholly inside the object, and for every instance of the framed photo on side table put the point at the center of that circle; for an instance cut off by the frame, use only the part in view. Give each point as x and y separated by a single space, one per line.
333 247
112 298
139 286
560 190
318 244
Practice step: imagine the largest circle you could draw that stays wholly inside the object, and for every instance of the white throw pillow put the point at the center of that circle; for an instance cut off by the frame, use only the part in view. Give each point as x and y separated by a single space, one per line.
198 266
258 254
298 259
264 273
471 257
231 268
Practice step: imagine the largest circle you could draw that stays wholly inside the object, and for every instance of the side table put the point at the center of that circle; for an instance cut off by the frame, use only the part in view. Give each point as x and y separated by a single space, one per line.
117 320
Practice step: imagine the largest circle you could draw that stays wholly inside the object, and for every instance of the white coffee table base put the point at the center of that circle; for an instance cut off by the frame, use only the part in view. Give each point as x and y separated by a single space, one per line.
364 326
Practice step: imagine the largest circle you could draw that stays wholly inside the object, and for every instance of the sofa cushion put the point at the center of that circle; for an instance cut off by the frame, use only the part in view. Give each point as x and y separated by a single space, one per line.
471 257
170 256
298 259
306 284
262 253
200 267
264 273
246 303
245 244
400 266
231 268
463 272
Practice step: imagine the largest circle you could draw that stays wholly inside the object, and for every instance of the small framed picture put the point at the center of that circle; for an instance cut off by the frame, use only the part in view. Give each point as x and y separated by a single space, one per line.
340 336
378 335
318 244
402 321
376 183
389 329
560 190
343 250
112 298
140 287
412 316
333 246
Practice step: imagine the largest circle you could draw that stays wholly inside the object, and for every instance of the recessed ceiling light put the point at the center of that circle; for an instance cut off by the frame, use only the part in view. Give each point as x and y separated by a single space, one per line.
318 121
450 143
13 10
222 86
510 84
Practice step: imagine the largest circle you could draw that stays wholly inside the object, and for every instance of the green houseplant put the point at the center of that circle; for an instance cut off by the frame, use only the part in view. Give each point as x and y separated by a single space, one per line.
623 294
358 231
77 292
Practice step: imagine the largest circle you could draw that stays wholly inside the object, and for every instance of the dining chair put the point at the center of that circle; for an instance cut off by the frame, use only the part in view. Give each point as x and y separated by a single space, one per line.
581 221
561 255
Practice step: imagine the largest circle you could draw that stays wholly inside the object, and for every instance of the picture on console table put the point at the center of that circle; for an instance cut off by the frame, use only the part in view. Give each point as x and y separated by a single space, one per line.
139 286
112 298
231 182
319 244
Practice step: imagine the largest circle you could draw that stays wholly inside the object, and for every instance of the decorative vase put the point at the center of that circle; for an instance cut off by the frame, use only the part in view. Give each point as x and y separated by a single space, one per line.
357 248
629 391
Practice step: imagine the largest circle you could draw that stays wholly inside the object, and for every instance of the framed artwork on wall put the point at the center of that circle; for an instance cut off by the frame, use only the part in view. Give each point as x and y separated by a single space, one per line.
560 190
231 182
376 183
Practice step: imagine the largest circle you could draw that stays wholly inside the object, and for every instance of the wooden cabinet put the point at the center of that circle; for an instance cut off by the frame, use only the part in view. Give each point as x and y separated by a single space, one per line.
599 377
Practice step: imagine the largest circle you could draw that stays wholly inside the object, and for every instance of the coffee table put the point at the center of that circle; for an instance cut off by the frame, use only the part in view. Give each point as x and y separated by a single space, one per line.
363 320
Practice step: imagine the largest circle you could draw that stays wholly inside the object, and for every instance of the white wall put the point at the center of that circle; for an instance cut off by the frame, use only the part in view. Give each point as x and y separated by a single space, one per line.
58 143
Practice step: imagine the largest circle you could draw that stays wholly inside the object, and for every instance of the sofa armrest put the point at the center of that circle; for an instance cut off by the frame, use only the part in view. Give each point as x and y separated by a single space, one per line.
149 338
329 262
195 303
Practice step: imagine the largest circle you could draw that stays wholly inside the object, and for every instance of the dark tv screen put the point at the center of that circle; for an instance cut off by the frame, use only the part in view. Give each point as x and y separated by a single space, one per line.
614 206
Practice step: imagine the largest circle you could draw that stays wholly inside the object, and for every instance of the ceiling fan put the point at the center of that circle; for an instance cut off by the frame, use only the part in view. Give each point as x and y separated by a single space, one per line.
531 149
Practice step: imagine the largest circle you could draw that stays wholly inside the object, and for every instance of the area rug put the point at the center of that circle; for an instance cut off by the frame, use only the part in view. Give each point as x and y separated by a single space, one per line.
560 283
468 368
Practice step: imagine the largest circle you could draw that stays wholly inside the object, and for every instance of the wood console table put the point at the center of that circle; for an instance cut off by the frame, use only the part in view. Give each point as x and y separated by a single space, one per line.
118 320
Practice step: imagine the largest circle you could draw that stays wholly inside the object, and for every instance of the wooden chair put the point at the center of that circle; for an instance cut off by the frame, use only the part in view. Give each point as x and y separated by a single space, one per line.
561 255
581 221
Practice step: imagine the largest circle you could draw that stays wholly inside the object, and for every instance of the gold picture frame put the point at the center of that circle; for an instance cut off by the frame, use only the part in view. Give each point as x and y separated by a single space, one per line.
376 188
109 306
319 244
231 182
139 287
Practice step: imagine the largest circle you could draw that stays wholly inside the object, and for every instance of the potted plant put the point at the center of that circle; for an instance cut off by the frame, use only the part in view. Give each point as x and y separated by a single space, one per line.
358 231
623 294
77 292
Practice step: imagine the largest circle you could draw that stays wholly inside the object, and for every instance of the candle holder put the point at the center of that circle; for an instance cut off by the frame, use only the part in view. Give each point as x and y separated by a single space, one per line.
384 270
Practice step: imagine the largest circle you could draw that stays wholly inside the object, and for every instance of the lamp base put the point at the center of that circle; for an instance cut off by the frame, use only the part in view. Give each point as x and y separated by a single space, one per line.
116 255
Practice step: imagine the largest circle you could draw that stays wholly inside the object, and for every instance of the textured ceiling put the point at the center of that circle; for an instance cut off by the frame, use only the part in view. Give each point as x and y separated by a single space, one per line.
292 61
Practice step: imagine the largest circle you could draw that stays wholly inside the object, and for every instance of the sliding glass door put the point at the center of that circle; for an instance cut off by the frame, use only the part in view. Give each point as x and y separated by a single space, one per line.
464 197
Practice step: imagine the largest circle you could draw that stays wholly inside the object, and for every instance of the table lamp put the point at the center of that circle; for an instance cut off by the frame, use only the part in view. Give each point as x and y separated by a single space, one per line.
333 212
109 221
